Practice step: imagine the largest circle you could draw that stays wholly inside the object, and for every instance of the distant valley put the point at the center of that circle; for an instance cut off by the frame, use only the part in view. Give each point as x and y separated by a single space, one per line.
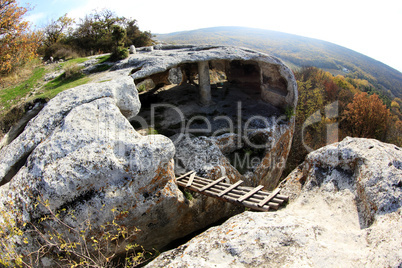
298 51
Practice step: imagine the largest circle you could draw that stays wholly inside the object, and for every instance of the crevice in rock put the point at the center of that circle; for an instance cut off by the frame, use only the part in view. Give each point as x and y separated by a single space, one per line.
15 168
15 121
183 240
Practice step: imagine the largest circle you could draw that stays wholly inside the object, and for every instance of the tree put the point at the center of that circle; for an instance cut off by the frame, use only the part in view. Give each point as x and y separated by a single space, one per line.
94 33
134 35
55 30
118 36
55 39
367 116
17 44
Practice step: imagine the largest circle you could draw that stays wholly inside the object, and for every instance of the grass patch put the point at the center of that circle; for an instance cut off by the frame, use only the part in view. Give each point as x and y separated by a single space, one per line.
188 195
103 59
60 84
101 68
152 131
77 61
10 96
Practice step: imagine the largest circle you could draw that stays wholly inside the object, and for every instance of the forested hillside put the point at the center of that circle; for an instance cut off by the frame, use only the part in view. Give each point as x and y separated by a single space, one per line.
299 51
332 107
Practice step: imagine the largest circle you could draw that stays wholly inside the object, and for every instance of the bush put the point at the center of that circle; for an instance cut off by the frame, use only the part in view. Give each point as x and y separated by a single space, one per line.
72 70
65 53
59 51
119 53
65 245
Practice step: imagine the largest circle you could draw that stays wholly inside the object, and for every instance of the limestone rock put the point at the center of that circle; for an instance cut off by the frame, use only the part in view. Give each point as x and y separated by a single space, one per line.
89 164
81 153
253 72
229 142
38 129
276 79
202 155
346 209
132 50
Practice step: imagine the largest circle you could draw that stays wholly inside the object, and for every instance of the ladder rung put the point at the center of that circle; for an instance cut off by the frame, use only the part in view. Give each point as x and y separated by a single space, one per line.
269 197
213 183
190 180
184 175
230 188
244 197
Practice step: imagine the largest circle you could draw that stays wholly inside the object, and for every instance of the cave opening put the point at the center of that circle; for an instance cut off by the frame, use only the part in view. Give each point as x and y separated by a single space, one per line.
172 105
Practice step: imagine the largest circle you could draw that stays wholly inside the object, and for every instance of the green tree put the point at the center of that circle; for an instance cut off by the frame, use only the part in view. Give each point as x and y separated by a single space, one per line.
118 36
55 41
135 36
57 29
94 32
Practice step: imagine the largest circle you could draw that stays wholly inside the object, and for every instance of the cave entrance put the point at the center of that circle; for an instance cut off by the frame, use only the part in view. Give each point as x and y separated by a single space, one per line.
174 103
173 100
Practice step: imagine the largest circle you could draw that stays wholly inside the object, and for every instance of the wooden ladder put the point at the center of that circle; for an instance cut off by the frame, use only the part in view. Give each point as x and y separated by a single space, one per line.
254 198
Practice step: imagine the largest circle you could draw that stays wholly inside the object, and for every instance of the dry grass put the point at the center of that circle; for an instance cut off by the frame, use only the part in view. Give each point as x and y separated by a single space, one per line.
20 74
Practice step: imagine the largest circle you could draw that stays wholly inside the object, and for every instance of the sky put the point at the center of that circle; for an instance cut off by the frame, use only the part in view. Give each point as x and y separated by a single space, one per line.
373 28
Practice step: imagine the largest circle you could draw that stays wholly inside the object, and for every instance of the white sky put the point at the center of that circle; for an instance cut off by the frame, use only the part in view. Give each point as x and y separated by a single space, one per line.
373 28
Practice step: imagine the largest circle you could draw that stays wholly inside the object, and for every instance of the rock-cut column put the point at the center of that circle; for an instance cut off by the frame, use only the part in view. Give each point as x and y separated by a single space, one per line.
204 82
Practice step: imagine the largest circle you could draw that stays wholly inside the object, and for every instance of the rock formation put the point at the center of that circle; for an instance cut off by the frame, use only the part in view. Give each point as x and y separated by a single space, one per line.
132 49
345 210
264 85
81 158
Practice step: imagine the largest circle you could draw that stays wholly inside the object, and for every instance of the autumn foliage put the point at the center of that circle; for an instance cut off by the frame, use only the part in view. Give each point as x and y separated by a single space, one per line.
17 44
367 116
359 112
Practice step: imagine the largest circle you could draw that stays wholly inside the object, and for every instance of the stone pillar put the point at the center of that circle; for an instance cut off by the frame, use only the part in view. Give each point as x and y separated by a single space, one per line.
204 82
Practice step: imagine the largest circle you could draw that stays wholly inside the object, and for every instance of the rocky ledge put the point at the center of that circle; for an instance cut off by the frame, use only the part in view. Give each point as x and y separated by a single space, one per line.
345 210
81 160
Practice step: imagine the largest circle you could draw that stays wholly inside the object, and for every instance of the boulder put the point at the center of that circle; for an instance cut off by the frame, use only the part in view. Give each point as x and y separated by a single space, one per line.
345 209
82 160
132 50
203 155
122 91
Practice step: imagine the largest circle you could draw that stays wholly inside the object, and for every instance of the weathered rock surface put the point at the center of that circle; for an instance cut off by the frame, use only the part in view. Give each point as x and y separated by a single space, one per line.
122 91
251 77
132 49
204 156
276 79
209 156
81 154
345 210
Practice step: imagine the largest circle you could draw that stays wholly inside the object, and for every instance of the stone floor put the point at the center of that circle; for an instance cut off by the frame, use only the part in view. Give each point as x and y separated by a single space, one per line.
173 109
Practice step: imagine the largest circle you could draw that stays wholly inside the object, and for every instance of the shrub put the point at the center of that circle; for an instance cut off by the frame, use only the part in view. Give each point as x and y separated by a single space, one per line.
119 53
59 51
289 112
72 70
65 53
71 247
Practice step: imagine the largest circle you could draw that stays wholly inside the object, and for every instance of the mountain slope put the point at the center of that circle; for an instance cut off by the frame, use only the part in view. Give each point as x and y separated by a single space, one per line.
298 51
